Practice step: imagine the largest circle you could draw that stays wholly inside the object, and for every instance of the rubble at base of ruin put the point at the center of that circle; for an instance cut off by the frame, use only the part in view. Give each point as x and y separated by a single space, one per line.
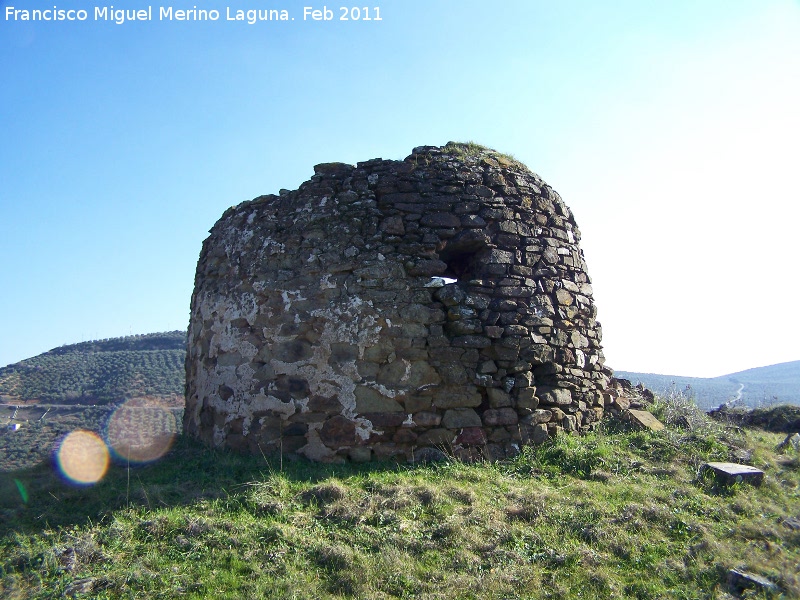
413 309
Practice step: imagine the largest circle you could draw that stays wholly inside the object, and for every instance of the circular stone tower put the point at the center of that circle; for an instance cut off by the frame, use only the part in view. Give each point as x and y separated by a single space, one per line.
409 309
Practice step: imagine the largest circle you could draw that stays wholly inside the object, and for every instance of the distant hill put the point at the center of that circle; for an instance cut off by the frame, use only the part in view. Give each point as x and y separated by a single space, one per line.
762 386
100 371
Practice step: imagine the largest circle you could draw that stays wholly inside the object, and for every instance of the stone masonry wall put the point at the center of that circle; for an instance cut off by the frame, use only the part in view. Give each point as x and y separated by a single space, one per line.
396 309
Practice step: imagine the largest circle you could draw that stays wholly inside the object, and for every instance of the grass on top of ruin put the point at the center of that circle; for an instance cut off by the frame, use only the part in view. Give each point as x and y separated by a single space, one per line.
463 150
614 514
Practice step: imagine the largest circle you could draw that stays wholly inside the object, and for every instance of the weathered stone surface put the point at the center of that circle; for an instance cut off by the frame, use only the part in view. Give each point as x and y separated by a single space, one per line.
454 397
645 420
385 419
404 436
569 423
498 398
471 436
471 341
427 267
441 220
425 303
451 295
369 400
393 226
436 437
526 398
427 419
456 418
622 403
554 396
500 416
540 433
338 431
563 297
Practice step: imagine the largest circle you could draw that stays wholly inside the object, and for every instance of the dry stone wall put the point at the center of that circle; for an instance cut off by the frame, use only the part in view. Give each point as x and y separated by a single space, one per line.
406 309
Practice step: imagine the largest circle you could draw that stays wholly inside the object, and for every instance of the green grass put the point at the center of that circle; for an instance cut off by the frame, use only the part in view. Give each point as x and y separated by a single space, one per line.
464 150
614 514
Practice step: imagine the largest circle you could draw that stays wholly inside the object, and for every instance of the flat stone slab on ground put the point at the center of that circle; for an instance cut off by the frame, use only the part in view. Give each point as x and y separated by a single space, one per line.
742 580
732 473
642 418
792 523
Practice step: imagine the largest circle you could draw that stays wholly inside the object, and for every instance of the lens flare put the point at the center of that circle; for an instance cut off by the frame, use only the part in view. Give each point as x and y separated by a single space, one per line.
141 431
22 491
83 457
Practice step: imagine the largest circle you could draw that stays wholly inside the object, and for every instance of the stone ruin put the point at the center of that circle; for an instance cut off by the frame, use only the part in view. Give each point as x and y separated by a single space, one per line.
438 305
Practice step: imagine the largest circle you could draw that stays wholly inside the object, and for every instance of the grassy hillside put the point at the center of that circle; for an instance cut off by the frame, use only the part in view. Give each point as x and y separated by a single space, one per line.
614 514
101 371
763 386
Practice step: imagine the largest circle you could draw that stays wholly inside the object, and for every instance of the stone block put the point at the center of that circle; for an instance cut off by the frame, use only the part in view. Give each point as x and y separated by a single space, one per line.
440 220
436 437
500 416
427 268
498 398
417 403
501 434
730 473
369 400
471 436
427 419
471 341
451 294
229 359
488 367
324 404
739 581
457 418
343 352
293 351
526 398
404 436
338 432
540 415
554 396
569 423
645 420
501 257
393 226
621 403
465 328
455 397
385 419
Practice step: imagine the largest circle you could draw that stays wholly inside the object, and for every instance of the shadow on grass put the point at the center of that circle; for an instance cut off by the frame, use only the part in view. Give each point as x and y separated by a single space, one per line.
39 498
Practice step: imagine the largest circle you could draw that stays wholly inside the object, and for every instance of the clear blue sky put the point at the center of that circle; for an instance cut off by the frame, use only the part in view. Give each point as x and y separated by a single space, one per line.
670 128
